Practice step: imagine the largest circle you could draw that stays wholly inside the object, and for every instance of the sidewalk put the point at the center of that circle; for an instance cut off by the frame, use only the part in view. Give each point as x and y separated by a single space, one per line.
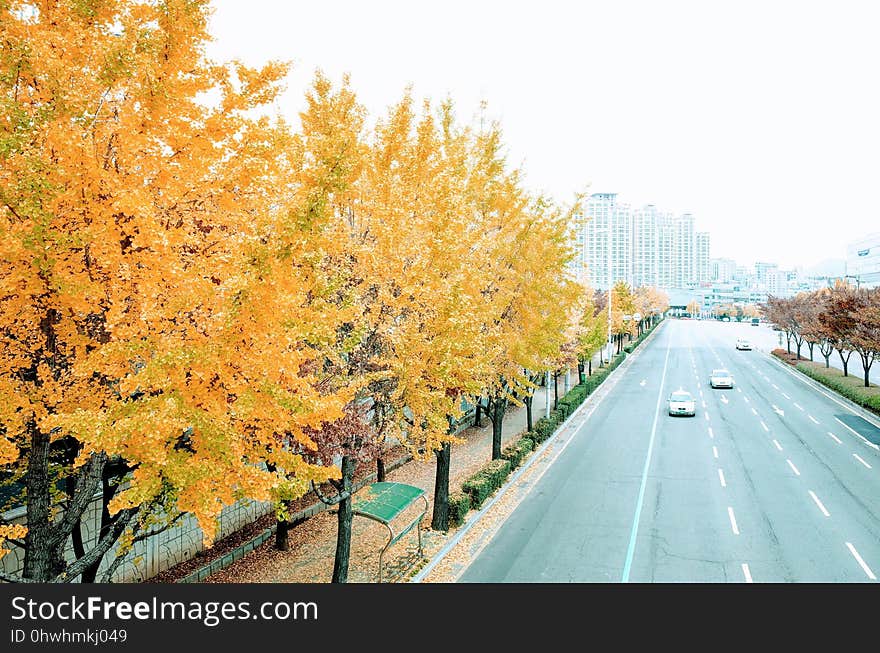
309 558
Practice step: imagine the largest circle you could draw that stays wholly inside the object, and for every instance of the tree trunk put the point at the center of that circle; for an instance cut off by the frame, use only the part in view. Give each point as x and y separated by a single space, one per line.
788 341
844 361
499 405
867 362
440 518
478 419
810 347
380 470
343 524
580 372
528 402
555 389
108 491
590 367
39 562
799 344
282 528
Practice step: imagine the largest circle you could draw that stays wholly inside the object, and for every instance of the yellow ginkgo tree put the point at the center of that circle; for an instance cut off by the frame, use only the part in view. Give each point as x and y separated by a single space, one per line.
157 344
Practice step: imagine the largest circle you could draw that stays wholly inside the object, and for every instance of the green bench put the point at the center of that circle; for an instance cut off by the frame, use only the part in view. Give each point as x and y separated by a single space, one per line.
383 502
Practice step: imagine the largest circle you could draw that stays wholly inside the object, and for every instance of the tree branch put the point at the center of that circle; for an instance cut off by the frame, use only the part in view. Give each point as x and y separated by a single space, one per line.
339 498
86 485
78 567
10 578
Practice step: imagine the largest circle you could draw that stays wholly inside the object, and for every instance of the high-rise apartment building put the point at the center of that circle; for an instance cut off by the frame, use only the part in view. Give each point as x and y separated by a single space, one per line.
723 270
607 220
648 247
702 270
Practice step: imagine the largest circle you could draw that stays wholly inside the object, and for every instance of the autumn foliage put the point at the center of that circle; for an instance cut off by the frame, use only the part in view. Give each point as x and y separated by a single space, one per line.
199 304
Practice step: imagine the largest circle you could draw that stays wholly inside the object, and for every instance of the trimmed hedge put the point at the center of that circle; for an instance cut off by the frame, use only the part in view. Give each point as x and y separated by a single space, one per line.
478 487
486 481
854 394
496 471
459 504
517 451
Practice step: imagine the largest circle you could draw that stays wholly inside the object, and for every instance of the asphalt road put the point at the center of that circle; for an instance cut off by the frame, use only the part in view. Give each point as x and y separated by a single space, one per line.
772 481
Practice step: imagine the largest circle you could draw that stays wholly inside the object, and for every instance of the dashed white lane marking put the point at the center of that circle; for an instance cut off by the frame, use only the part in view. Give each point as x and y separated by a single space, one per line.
814 420
859 458
721 477
859 435
786 396
778 446
754 412
732 520
715 452
704 405
819 503
706 415
739 389
711 434
775 387
793 468
747 399
764 426
861 562
798 406
747 573
835 438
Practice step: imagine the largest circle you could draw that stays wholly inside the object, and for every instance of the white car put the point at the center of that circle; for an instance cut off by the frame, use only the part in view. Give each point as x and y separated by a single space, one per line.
682 402
721 378
743 344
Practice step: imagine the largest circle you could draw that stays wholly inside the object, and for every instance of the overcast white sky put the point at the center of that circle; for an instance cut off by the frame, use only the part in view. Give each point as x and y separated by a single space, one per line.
759 117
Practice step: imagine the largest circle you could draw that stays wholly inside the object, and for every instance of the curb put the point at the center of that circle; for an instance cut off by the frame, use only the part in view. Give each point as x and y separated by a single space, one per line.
511 480
200 574
850 405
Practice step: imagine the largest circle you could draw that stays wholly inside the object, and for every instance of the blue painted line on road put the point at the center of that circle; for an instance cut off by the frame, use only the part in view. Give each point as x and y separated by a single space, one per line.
635 527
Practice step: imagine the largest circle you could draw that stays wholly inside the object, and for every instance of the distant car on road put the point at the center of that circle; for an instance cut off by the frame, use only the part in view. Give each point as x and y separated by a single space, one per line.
721 378
756 321
682 402
743 344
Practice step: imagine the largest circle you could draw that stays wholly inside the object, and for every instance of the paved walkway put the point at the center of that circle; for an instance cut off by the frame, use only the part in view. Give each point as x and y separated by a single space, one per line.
309 558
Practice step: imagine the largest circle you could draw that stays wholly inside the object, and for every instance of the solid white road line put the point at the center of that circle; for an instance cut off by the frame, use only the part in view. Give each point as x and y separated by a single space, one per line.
635 525
859 435
715 452
797 405
859 458
732 520
819 503
778 446
786 396
765 426
861 562
835 438
815 421
747 573
721 478
793 468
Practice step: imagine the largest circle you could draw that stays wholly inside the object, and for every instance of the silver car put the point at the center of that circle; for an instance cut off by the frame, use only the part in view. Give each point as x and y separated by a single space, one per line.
682 402
721 378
